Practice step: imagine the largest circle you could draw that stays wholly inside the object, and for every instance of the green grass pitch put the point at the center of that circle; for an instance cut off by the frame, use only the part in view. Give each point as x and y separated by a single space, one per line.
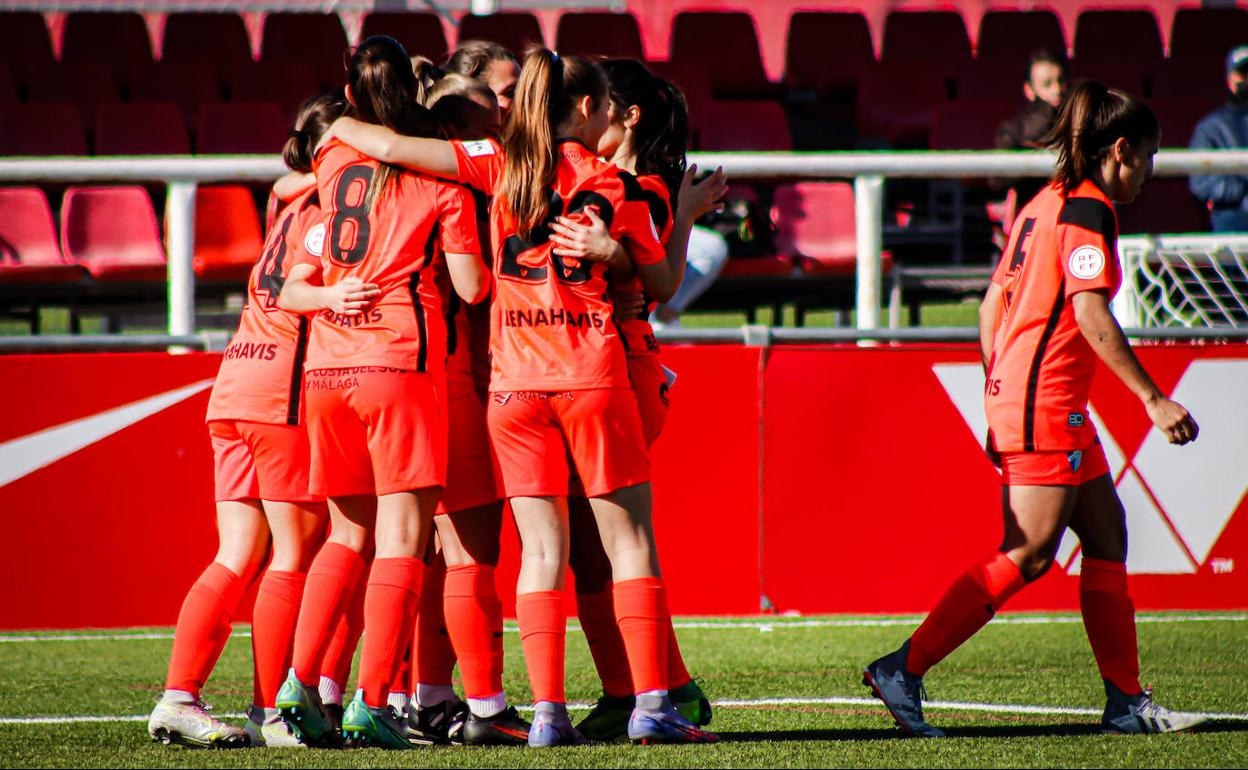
1198 664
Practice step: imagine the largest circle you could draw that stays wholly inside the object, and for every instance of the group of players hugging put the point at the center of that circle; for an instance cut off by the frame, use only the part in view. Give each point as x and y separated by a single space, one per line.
451 310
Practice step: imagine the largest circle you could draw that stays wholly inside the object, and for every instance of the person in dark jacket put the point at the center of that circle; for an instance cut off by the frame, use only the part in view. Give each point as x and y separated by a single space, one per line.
1224 129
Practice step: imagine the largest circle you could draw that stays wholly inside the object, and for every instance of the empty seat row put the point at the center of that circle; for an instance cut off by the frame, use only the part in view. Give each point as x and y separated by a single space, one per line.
725 41
111 234
144 128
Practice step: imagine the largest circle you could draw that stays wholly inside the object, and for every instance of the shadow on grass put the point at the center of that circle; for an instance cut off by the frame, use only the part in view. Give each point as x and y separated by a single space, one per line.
986 731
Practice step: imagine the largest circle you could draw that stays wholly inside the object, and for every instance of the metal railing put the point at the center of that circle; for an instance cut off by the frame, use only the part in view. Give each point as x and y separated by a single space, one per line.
867 169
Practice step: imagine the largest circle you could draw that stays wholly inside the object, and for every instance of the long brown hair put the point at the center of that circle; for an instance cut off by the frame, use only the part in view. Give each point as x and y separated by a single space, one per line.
546 94
311 123
661 137
384 90
1091 120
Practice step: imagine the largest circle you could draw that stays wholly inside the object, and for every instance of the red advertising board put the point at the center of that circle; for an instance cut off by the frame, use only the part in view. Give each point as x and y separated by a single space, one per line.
809 479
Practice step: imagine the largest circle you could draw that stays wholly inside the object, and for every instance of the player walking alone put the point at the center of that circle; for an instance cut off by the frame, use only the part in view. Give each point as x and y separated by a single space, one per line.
1043 324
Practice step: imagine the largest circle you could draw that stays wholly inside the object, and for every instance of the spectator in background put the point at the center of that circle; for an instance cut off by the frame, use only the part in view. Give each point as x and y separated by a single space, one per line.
1045 88
1226 129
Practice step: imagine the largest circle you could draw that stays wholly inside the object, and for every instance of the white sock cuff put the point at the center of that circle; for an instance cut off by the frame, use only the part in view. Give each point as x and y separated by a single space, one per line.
331 691
430 695
484 708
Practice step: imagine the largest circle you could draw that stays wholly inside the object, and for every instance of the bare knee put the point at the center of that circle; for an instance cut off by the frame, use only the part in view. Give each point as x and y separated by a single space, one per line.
1032 562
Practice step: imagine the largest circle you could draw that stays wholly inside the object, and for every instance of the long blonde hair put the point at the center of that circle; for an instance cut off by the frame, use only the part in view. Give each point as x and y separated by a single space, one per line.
546 94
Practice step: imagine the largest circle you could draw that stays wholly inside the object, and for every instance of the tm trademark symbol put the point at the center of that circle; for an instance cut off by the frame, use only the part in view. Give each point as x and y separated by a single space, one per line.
1223 566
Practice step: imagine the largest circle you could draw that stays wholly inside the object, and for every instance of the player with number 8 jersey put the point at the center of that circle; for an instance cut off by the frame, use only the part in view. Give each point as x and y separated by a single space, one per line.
376 393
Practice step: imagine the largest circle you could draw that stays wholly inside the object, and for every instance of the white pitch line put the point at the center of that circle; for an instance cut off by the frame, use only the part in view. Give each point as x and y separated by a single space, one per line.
721 625
992 708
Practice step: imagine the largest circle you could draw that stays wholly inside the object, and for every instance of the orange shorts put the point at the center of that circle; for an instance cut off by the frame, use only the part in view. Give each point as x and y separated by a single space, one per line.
375 431
471 473
1054 469
650 387
260 461
534 433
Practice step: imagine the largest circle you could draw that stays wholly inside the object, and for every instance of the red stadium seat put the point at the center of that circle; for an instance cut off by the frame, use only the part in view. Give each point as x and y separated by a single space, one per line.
287 82
513 30
1191 78
420 33
141 128
219 38
1164 206
1202 32
1123 75
746 126
119 39
8 86
1178 118
240 127
937 38
599 33
992 79
85 83
896 103
317 38
1015 35
693 84
815 225
24 42
812 34
1130 36
969 124
228 240
112 232
29 252
725 46
42 129
185 82
755 267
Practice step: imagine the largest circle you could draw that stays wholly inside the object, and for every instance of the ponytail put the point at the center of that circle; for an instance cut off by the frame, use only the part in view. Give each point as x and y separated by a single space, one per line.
428 75
661 137
546 93
1089 123
313 120
384 87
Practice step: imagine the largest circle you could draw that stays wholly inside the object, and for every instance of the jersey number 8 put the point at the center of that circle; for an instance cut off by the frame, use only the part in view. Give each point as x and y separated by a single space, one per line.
356 214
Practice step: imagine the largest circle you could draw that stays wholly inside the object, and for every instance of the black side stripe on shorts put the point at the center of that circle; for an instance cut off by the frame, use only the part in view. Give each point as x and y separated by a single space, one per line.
296 373
1033 378
413 286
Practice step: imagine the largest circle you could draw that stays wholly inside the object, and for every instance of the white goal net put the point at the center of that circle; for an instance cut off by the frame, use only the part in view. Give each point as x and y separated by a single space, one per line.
1183 280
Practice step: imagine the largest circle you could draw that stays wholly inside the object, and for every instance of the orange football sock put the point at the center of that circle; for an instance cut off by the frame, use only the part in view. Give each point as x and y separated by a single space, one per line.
273 632
336 662
677 675
403 673
641 609
596 611
331 580
964 609
203 627
433 660
543 632
389 619
474 619
1109 618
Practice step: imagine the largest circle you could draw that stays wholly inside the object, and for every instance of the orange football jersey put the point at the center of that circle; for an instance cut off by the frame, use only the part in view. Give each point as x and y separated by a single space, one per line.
1036 394
638 334
551 323
261 375
412 224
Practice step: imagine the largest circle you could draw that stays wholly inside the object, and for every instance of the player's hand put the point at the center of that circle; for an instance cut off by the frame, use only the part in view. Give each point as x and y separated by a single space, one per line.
629 305
1173 420
351 296
589 240
698 198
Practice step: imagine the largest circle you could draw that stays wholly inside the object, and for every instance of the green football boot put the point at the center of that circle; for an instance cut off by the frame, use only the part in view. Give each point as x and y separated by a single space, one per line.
692 703
300 707
608 721
380 728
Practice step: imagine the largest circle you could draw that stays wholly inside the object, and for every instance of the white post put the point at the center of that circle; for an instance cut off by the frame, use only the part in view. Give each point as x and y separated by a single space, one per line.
180 225
869 234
